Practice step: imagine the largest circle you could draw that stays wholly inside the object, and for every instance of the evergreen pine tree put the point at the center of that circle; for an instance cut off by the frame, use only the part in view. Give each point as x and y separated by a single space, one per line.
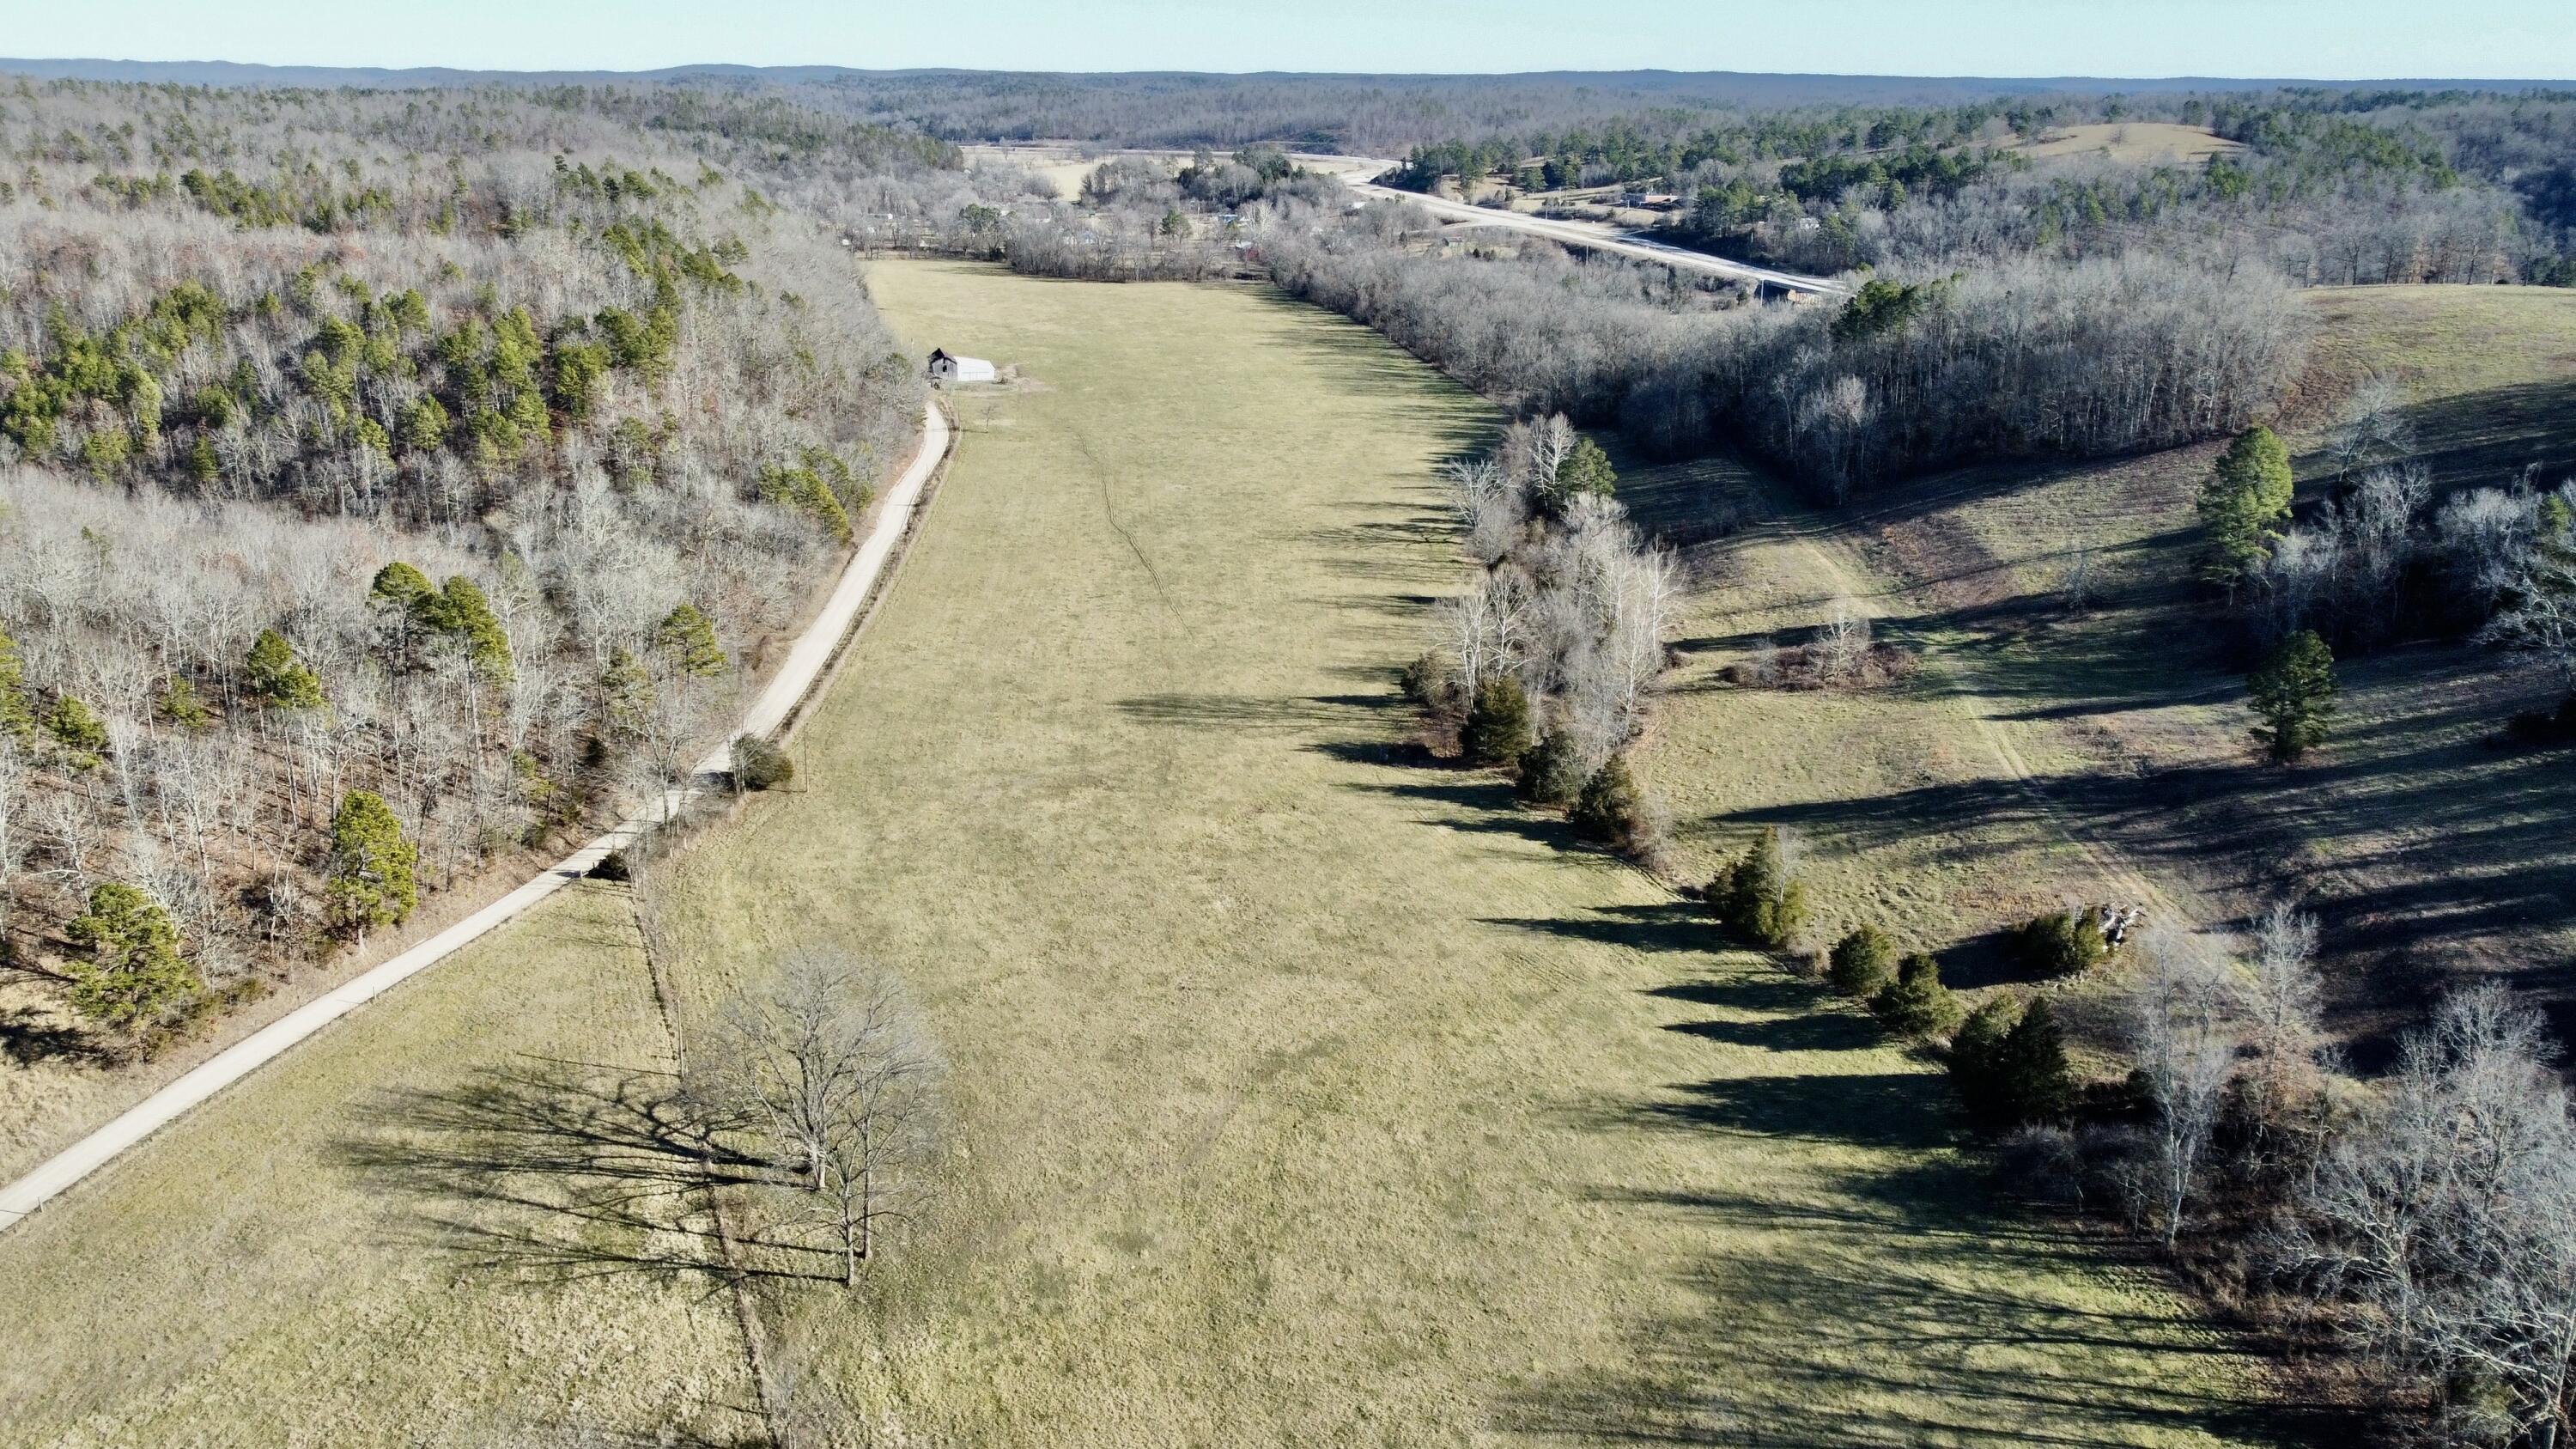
371 880
2243 505
1759 897
2293 694
1976 1053
467 617
17 715
1862 962
1586 469
688 636
625 693
134 971
398 585
2062 943
1552 771
1916 1002
2031 1068
181 706
1498 724
278 677
1611 805
76 728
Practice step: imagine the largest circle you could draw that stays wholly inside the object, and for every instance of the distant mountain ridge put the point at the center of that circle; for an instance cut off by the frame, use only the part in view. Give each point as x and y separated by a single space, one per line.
1713 85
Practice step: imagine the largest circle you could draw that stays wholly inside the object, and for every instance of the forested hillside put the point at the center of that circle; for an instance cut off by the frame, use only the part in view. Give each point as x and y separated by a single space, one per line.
2329 186
389 483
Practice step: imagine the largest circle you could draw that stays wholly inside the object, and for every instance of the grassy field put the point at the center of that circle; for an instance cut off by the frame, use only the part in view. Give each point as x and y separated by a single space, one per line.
1308 1092
438 1223
2133 143
1830 768
1305 1092
2043 753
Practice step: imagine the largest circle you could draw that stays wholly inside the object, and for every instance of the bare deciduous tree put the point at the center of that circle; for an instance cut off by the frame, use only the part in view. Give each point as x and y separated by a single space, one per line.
2184 1031
2373 429
2284 1001
2444 1222
832 1063
1840 652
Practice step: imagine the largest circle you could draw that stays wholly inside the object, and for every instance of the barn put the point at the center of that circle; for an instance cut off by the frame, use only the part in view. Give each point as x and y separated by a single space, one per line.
947 368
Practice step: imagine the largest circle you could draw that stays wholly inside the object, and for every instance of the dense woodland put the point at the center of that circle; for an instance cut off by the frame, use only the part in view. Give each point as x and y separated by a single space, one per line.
2034 359
389 483
2333 187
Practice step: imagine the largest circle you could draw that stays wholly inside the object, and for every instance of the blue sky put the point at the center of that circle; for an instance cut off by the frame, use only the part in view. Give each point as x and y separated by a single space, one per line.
2344 39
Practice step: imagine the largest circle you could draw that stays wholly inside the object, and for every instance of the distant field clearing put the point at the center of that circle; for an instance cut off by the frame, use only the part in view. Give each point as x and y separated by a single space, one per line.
2138 143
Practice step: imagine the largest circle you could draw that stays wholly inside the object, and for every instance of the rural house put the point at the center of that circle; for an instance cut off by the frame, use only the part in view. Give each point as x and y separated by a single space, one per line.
945 368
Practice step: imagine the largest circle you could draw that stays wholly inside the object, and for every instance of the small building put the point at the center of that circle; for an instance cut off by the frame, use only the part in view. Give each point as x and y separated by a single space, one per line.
951 369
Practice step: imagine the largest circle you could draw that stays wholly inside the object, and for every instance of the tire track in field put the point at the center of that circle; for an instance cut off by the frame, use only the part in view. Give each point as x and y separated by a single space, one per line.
1109 511
1829 545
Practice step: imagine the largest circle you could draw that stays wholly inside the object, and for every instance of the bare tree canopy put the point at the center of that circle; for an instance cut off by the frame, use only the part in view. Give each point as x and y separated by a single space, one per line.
831 1064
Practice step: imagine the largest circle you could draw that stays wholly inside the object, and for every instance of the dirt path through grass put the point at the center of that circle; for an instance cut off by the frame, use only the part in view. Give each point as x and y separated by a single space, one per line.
1837 545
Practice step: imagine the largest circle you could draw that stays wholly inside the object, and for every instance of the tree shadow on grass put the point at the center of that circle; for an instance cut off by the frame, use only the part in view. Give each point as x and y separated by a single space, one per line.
1990 958
1482 804
29 1036
1410 754
1752 991
549 1171
1664 926
1817 1333
1251 712
1820 1031
1891 1303
1851 1383
1899 1109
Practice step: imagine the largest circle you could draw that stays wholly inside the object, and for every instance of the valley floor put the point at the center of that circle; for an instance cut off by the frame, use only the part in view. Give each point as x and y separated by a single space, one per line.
1304 1091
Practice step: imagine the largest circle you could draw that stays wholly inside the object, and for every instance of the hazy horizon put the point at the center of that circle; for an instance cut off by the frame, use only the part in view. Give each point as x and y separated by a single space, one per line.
2357 41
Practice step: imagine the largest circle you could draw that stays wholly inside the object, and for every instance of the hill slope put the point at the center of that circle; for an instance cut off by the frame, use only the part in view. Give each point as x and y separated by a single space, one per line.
2044 753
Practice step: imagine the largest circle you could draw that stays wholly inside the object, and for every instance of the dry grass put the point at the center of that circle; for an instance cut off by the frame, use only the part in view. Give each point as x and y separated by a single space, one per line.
2133 143
1906 802
1064 167
1306 1093
1310 1093
418 1229
2429 854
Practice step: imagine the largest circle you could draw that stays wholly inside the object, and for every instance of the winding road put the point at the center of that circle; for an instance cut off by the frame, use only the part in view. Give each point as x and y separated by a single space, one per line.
1597 238
1357 172
775 708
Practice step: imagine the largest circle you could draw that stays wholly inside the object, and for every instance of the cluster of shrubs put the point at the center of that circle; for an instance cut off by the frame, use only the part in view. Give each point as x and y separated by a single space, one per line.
2062 943
759 764
2008 1059
1760 897
1603 803
2540 727
1905 993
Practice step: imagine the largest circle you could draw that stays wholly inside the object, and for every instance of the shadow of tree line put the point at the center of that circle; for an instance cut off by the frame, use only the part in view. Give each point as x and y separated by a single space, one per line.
1886 1299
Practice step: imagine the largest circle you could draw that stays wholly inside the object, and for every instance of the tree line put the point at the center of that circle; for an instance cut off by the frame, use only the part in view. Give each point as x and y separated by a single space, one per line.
2034 359
1543 666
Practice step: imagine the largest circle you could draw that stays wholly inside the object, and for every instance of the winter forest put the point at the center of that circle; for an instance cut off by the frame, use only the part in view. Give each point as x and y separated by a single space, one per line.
387 484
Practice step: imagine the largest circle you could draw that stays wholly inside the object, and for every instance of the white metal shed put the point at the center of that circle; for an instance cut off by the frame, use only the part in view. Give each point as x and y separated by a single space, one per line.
946 367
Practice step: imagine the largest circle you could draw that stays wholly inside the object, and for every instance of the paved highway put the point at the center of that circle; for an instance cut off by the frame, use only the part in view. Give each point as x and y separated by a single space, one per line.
1597 237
